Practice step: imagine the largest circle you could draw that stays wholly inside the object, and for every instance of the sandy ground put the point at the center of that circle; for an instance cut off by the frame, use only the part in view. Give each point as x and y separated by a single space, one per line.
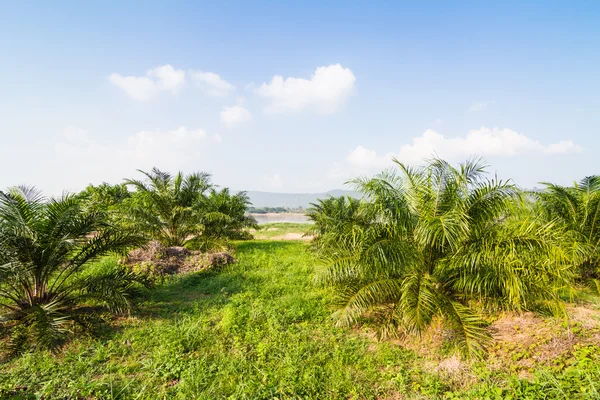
292 236
522 343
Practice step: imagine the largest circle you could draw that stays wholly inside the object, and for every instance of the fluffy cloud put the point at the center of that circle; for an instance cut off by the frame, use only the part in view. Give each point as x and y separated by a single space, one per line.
234 115
326 91
212 83
170 147
363 158
144 88
177 149
481 142
476 107
76 142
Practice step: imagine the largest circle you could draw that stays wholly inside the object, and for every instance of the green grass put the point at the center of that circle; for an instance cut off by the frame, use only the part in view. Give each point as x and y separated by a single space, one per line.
259 330
279 229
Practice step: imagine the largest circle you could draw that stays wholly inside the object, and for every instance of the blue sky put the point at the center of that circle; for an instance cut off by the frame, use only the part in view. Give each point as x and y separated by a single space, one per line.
295 96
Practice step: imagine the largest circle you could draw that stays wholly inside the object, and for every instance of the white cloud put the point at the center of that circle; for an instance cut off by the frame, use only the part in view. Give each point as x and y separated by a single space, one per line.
234 115
172 150
363 158
480 142
563 147
273 181
212 83
326 91
168 78
167 147
144 88
476 107
75 140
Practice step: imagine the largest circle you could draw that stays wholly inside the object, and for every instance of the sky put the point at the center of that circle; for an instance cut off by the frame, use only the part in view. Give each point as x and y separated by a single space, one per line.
296 96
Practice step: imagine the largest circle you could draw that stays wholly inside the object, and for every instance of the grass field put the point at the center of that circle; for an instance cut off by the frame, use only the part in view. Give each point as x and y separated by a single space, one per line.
282 231
260 329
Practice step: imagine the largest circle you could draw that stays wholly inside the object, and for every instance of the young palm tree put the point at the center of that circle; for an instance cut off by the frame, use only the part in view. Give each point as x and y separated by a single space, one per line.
335 214
435 242
577 210
223 218
44 247
105 197
167 207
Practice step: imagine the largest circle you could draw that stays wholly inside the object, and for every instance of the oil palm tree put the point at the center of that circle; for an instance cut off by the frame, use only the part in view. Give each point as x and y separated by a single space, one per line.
45 245
105 197
335 214
577 210
167 207
224 218
437 242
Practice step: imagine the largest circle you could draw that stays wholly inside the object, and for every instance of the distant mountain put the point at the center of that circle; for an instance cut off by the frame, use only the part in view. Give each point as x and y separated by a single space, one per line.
293 200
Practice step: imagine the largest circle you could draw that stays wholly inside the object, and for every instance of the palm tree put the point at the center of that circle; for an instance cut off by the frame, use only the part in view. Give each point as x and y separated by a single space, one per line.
335 214
166 207
577 210
44 248
224 218
436 242
105 197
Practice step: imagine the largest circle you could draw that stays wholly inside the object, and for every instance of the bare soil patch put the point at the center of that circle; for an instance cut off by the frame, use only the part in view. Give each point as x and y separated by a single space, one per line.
292 236
521 342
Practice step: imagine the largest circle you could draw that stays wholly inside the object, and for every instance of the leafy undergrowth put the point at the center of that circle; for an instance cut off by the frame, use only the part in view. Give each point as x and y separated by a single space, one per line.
259 329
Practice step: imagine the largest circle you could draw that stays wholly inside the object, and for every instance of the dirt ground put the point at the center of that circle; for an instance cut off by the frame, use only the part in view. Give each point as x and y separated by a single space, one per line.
521 342
292 236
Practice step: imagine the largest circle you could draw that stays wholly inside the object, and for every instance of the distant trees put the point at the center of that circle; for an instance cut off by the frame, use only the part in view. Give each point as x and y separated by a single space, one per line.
438 242
266 210
44 246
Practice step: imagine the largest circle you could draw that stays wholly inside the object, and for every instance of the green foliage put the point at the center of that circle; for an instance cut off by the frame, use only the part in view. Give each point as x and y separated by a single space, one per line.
258 329
576 209
165 207
104 197
178 210
281 229
575 377
336 214
45 246
436 241
223 218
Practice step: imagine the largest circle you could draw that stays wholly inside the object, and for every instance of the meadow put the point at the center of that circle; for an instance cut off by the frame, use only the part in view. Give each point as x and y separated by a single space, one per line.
261 329
438 283
282 231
